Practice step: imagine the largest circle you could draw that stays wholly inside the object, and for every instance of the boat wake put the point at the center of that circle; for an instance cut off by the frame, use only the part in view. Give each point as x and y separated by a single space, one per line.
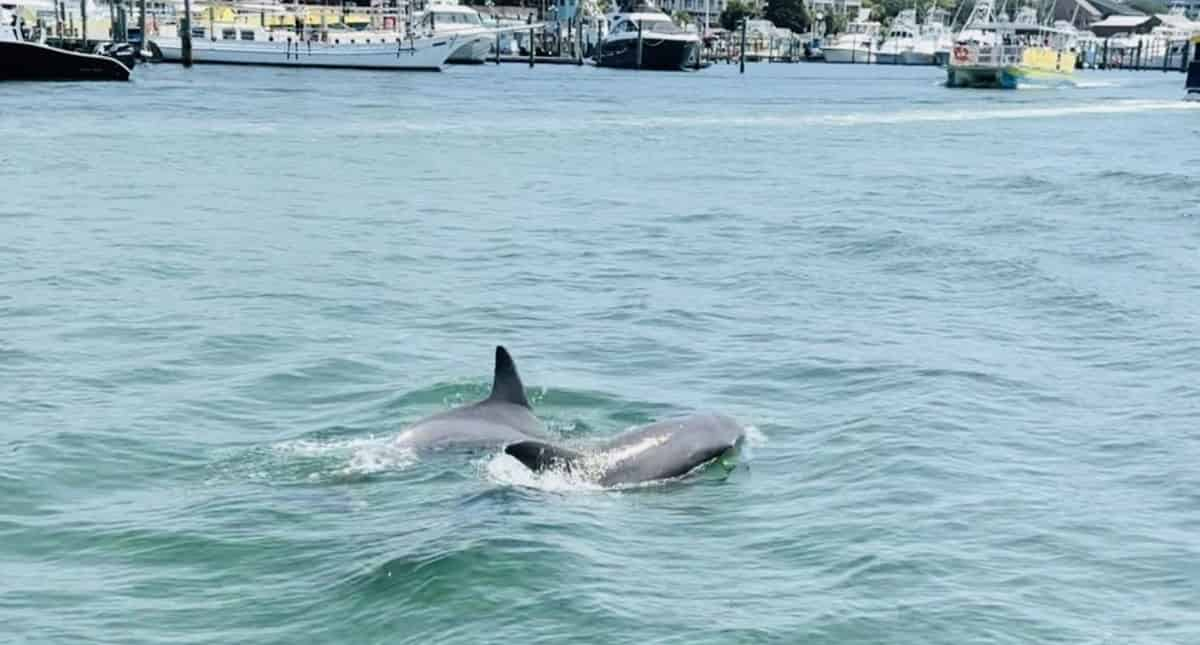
972 114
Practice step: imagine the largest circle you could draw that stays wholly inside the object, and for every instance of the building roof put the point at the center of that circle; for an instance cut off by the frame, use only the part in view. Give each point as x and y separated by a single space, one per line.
1113 8
1119 22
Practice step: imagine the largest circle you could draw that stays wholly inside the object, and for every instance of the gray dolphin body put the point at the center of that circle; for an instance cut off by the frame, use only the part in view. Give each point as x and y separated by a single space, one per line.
502 418
662 450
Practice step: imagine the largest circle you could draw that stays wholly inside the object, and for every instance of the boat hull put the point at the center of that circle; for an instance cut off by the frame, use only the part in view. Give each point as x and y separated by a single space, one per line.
472 50
1035 65
421 55
1006 78
24 61
914 57
849 55
657 53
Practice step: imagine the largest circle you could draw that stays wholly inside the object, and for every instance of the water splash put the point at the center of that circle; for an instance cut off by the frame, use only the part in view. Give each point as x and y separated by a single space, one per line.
357 457
505 470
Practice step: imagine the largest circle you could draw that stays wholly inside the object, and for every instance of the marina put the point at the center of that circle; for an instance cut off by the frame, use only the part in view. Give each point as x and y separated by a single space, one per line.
978 44
675 323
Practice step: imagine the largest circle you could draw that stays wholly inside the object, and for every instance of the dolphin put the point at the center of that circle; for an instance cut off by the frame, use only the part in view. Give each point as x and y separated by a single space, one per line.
663 450
503 418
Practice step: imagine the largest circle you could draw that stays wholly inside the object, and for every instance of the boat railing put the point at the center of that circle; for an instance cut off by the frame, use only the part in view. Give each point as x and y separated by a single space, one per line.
991 55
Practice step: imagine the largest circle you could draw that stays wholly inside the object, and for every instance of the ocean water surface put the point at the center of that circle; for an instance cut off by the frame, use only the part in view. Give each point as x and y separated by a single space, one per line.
962 326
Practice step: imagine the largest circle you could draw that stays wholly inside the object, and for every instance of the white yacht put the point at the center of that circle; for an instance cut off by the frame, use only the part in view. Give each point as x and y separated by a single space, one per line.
900 41
936 36
855 45
643 37
448 17
308 46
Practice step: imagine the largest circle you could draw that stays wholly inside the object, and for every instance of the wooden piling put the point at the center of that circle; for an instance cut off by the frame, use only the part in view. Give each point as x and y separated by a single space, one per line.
497 48
1137 57
142 22
579 43
186 37
639 46
1104 59
83 23
742 57
531 48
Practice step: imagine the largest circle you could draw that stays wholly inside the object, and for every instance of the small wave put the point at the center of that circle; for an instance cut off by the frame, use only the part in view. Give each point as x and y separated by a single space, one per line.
1086 85
915 116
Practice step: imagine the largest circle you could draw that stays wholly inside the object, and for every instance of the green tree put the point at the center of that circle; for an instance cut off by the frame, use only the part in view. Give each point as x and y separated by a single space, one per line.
835 23
682 18
789 14
735 10
885 10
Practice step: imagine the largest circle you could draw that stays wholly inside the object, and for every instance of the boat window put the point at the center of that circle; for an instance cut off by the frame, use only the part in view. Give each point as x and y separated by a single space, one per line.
661 26
247 35
228 34
198 32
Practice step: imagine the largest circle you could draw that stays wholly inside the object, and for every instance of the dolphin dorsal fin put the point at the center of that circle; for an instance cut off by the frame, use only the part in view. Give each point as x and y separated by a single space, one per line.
506 384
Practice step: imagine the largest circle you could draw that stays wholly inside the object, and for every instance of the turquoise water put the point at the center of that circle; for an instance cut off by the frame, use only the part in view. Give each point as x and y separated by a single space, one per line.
962 326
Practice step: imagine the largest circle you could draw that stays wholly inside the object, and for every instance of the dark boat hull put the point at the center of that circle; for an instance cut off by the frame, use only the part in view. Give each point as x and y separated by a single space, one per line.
21 61
671 55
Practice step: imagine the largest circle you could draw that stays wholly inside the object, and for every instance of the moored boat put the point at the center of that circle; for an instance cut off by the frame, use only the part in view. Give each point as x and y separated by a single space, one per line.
646 38
29 60
474 41
232 44
855 45
900 41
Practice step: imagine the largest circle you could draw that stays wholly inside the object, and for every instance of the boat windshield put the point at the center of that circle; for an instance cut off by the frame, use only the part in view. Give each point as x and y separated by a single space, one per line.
661 26
447 18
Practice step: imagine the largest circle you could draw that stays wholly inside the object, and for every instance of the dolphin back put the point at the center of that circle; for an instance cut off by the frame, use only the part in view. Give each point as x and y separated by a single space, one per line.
663 450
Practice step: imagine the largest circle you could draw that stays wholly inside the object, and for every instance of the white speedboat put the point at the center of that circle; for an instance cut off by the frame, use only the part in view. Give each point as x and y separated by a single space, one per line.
663 44
448 17
855 45
900 39
307 46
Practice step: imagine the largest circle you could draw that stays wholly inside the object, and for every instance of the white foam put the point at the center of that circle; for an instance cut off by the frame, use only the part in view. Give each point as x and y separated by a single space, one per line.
755 438
362 456
505 470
